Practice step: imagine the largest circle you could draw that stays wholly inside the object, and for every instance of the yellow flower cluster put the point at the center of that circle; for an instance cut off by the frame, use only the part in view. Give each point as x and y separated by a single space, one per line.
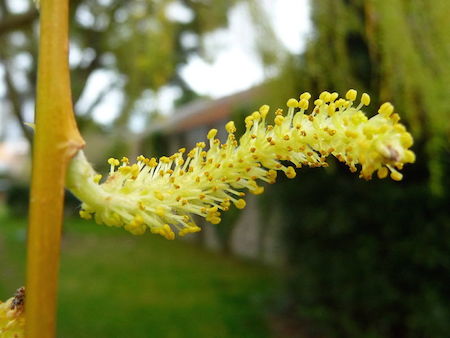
12 316
161 195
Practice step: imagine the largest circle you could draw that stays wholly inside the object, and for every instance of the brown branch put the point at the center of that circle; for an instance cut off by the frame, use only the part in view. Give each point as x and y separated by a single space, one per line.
81 74
14 98
14 22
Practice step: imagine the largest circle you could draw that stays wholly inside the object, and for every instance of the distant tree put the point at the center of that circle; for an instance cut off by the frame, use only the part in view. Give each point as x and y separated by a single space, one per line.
397 51
136 40
353 271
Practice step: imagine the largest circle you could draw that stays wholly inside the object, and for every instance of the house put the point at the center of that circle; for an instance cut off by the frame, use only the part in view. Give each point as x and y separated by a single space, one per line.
14 164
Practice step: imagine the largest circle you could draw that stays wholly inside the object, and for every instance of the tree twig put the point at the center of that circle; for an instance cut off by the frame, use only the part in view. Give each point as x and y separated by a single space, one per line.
56 141
14 22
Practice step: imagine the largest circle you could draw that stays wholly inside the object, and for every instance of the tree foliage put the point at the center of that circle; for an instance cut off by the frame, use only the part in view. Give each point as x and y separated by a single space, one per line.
372 261
138 41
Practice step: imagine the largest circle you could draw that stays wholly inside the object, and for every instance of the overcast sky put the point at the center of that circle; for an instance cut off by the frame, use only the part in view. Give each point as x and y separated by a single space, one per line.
236 67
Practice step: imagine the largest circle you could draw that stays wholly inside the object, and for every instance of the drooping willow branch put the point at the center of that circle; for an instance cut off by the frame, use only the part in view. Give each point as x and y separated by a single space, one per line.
162 195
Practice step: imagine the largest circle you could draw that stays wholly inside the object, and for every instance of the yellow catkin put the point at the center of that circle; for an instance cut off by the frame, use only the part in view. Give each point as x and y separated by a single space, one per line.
163 195
12 316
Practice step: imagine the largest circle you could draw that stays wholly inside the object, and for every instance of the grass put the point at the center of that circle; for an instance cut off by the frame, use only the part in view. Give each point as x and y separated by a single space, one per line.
113 284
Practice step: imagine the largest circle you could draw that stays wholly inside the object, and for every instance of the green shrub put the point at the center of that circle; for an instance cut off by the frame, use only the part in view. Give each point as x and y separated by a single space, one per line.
368 259
17 201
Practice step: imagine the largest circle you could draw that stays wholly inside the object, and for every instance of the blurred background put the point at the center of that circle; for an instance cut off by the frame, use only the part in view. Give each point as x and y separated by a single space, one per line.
324 255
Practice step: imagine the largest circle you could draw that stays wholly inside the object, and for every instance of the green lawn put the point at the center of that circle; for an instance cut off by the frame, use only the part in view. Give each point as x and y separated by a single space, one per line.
114 284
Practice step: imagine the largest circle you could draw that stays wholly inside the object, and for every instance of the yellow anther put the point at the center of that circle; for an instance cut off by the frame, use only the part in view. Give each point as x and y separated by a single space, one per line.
230 127
211 134
400 128
115 219
382 172
305 96
331 109
325 96
365 99
292 103
256 116
272 174
395 118
201 145
136 227
248 121
124 170
164 159
279 120
97 178
290 172
264 110
409 156
303 104
215 220
138 220
340 103
160 211
396 176
134 169
406 140
240 204
351 95
369 131
152 163
191 229
84 214
386 109
113 161
158 195
318 102
213 209
359 118
165 231
258 190
334 96
352 134
141 158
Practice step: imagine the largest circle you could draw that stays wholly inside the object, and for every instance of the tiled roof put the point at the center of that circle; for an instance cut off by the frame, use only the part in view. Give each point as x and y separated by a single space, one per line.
201 112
